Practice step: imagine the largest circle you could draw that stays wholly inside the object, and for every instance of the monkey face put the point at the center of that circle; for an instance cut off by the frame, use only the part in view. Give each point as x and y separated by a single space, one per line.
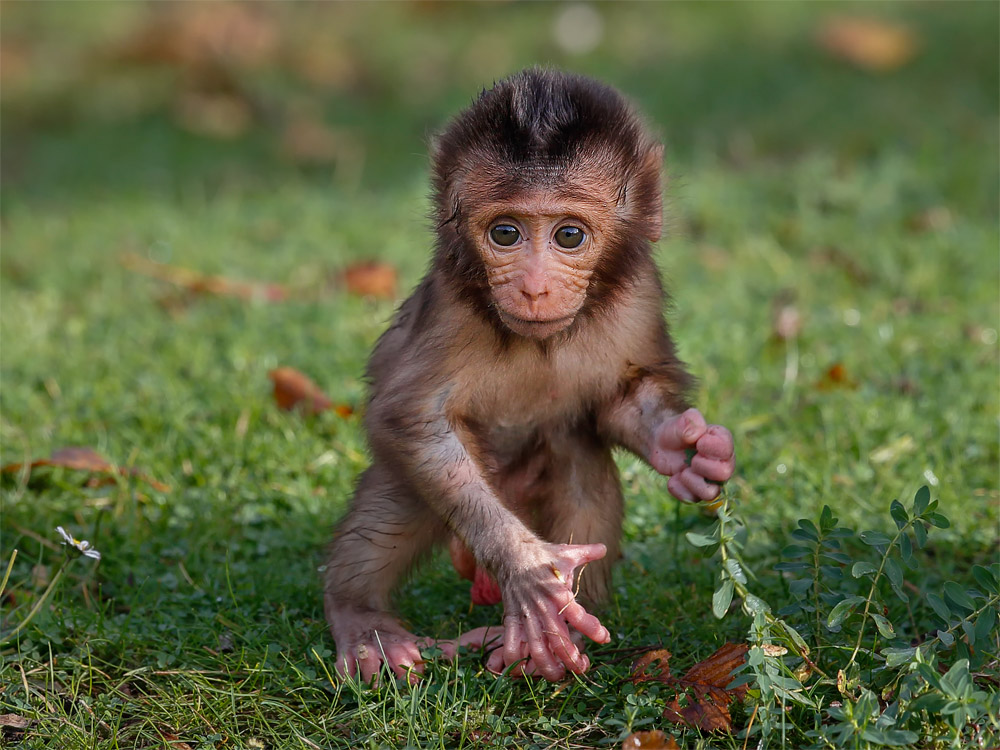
540 252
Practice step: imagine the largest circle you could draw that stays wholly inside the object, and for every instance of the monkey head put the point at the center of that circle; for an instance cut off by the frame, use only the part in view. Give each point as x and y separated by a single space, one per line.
546 190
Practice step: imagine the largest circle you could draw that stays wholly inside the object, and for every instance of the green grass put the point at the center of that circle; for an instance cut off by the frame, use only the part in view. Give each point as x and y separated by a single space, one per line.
795 178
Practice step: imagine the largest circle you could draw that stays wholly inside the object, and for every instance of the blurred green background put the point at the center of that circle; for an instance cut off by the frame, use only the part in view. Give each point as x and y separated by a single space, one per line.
104 98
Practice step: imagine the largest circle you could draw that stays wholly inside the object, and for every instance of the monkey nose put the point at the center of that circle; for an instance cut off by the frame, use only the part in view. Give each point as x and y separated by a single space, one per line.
534 300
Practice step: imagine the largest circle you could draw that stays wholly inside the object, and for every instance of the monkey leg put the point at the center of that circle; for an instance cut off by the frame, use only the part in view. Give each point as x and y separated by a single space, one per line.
384 533
584 505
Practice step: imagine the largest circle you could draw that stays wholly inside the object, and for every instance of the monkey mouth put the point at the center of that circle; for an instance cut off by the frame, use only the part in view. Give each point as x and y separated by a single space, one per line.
535 329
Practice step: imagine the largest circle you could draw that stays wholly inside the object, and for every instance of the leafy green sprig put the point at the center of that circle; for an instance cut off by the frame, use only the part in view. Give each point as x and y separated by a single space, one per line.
902 697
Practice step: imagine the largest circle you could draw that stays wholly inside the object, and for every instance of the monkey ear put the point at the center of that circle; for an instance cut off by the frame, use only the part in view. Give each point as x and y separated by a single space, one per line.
643 196
652 167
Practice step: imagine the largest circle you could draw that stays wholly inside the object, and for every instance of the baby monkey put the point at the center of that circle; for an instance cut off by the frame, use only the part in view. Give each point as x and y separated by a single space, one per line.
534 346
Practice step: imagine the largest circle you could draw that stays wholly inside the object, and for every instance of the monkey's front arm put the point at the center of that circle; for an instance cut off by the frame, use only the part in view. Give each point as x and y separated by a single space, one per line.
696 456
536 578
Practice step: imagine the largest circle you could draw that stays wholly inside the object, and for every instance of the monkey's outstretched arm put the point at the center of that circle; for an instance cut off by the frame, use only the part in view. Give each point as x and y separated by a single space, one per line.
650 421
536 578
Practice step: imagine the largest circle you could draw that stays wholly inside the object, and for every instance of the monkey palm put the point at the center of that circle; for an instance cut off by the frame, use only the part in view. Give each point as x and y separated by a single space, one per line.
535 344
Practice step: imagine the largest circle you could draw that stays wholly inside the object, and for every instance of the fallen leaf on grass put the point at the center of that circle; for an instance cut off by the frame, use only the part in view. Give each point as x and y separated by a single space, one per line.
15 62
294 389
708 700
654 740
85 459
198 283
203 36
836 377
652 665
370 279
14 721
322 63
702 688
868 43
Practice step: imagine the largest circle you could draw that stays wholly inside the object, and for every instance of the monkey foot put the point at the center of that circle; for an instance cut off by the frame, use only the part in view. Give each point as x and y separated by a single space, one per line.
485 590
365 642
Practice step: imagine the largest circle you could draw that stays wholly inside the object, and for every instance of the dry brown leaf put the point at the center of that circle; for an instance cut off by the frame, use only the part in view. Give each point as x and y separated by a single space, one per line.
705 695
836 377
15 62
652 665
14 721
868 43
654 740
324 64
84 459
371 279
198 283
194 35
293 389
343 410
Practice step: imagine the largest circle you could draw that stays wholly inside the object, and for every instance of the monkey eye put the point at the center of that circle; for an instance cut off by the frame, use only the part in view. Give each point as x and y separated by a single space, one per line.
505 235
569 237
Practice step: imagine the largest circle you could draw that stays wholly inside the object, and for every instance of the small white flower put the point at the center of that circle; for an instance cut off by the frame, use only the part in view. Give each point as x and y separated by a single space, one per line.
83 547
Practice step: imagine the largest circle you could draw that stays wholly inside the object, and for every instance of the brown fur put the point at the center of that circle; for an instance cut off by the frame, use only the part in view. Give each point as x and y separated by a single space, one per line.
497 432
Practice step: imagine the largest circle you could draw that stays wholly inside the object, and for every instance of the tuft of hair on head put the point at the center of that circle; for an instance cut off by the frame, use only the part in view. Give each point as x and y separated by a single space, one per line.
549 121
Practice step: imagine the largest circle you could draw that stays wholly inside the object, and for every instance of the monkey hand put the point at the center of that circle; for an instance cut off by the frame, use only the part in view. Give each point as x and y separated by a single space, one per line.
539 610
365 641
710 448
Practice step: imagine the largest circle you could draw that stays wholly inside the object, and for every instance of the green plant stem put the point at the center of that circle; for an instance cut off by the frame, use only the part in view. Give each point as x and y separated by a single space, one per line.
871 594
6 575
816 588
992 602
38 605
742 590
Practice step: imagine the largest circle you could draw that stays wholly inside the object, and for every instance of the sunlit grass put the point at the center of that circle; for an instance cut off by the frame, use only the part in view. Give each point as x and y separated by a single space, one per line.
203 621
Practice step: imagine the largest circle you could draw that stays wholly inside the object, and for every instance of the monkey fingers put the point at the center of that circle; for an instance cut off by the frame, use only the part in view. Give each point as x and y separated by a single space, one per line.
692 487
546 642
715 457
673 439
522 664
526 666
541 612
695 455
568 557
